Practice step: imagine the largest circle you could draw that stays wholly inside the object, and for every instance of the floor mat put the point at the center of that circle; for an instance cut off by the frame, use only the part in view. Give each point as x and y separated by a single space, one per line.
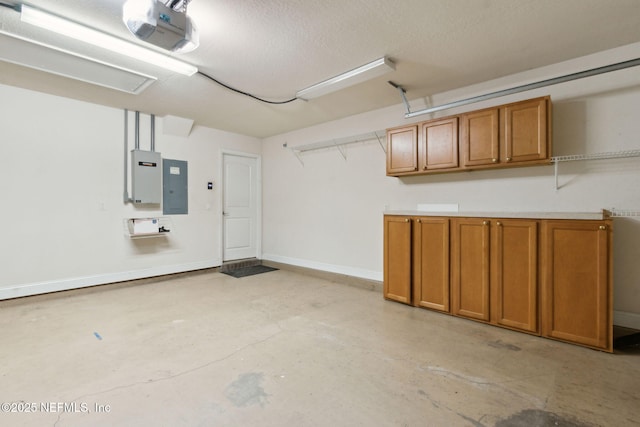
249 271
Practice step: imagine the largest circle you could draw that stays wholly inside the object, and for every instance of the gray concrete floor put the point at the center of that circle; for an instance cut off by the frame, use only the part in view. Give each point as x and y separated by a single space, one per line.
287 349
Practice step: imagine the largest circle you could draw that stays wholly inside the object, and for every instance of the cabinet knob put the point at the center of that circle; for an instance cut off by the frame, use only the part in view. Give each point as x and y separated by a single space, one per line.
494 160
424 168
498 223
418 220
603 227
407 220
508 159
485 222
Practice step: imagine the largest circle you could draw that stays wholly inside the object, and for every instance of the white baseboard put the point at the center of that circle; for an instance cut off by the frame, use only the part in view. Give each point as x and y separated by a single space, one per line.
620 318
332 268
626 319
28 289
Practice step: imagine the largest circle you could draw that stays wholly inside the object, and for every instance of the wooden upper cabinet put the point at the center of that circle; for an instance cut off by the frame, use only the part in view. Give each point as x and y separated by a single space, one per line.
525 130
480 140
512 134
517 134
576 291
438 144
397 258
402 150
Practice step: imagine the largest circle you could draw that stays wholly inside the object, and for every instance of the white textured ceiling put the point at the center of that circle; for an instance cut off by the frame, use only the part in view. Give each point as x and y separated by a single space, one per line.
274 48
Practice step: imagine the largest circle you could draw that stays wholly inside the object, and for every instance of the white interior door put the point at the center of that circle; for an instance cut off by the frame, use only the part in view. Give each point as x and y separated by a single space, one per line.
240 207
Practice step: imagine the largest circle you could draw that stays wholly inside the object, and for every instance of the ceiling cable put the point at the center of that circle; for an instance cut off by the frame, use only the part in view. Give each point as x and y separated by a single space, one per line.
184 4
246 93
15 7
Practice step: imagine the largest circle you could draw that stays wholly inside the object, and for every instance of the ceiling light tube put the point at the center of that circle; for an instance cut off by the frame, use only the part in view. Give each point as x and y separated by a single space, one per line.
358 75
54 60
103 40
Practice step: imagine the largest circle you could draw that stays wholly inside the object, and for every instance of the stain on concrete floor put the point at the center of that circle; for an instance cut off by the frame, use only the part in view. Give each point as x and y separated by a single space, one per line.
501 344
247 390
540 418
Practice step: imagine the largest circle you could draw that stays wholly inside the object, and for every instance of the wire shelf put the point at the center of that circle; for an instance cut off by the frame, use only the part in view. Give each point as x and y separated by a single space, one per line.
597 156
338 143
623 213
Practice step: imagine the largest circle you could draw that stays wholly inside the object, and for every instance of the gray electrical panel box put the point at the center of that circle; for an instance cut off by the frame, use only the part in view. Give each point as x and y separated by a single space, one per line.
175 187
146 176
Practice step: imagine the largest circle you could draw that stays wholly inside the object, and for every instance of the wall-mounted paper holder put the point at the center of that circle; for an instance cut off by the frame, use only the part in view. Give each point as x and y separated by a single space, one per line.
137 228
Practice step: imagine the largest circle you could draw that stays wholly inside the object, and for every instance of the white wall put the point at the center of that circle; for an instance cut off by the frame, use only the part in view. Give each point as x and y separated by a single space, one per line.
62 185
327 214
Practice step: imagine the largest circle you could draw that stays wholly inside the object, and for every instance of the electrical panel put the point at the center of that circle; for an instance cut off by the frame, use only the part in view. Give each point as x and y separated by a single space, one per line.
175 186
146 176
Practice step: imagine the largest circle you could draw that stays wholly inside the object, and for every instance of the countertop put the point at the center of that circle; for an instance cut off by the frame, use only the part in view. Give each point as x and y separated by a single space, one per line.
531 215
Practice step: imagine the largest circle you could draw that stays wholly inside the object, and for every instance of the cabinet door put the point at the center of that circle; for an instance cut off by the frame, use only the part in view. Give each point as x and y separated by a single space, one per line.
431 263
514 254
576 292
525 133
397 258
438 148
402 150
480 137
470 268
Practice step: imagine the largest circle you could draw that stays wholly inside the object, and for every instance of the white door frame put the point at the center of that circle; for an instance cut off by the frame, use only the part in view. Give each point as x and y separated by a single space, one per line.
258 236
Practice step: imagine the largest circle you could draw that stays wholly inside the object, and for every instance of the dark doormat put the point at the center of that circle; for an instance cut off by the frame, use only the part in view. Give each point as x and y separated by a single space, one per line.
249 271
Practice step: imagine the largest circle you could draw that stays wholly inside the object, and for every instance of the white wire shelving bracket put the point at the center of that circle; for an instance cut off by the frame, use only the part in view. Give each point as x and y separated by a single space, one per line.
339 143
623 213
556 160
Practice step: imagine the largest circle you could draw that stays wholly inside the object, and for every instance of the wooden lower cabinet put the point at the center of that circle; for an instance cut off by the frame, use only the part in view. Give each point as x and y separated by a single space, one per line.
495 271
416 261
470 268
431 263
514 274
545 277
576 289
397 258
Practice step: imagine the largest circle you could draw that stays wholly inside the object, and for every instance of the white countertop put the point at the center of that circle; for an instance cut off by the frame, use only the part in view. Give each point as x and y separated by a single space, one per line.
532 215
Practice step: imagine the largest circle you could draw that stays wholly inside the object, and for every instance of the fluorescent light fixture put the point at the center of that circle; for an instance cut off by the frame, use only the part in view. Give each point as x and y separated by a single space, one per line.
51 59
103 40
361 74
